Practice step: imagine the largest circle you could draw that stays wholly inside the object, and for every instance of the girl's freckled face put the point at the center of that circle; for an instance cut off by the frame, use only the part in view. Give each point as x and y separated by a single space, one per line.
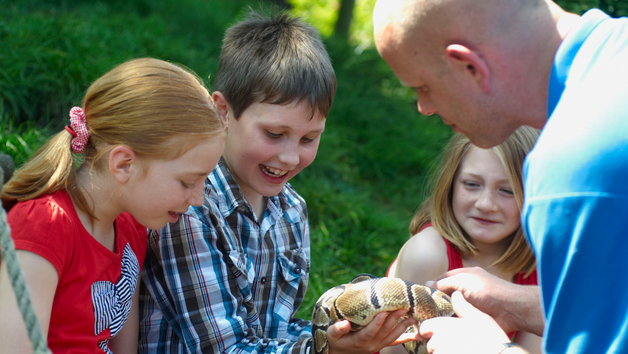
171 186
483 200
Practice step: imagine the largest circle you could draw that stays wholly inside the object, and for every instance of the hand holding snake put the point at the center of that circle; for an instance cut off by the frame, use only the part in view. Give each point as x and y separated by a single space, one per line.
383 331
365 297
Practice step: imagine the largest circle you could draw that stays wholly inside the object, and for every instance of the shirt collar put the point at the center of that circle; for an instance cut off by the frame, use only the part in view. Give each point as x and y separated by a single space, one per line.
567 52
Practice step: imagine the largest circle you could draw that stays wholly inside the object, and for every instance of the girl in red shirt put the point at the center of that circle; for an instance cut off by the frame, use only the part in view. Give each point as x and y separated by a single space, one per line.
135 155
472 219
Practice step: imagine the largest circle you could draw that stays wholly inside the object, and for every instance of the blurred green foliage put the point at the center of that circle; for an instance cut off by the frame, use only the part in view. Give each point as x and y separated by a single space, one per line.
324 13
615 8
52 50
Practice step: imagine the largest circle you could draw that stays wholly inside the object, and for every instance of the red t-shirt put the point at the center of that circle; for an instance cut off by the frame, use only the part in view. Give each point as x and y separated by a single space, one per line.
455 262
93 296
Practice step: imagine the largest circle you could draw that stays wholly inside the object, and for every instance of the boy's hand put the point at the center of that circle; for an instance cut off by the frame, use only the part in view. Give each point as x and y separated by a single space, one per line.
383 331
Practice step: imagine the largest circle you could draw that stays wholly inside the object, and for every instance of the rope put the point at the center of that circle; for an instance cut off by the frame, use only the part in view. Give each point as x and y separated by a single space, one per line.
19 287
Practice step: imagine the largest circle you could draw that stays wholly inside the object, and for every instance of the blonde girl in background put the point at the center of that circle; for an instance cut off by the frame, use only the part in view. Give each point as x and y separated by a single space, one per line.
472 219
134 156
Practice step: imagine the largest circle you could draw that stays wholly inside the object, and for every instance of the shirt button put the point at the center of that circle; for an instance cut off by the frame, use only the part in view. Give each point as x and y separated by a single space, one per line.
263 280
297 270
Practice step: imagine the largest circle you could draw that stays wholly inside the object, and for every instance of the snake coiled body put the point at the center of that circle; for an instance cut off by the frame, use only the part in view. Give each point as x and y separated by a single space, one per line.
366 296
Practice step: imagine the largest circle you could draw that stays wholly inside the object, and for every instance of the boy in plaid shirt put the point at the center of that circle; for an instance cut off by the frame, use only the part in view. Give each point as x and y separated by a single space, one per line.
230 275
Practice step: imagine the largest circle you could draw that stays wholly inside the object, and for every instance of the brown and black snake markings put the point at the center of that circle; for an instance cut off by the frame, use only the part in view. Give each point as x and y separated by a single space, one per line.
366 296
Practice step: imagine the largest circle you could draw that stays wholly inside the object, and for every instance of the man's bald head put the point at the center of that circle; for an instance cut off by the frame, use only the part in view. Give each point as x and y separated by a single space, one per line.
470 61
442 22
398 21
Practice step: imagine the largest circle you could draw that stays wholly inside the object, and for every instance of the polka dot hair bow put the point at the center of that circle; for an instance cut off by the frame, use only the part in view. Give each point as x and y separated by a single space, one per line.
78 129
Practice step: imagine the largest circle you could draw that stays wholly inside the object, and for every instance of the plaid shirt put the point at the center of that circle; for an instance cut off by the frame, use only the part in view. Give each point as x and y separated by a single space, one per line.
220 281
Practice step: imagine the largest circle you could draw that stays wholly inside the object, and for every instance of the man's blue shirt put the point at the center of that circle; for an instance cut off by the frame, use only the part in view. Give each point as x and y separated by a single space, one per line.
576 191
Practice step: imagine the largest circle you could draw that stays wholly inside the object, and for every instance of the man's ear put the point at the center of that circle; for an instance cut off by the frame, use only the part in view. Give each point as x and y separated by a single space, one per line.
122 163
223 107
469 62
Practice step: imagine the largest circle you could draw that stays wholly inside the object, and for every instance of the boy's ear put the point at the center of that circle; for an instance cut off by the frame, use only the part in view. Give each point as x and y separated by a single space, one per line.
469 63
122 162
223 107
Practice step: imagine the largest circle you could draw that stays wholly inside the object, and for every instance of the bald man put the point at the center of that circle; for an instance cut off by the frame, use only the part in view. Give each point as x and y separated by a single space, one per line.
487 67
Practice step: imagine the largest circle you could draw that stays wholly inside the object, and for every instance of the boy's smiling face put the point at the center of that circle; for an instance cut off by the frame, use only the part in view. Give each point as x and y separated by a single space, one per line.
269 144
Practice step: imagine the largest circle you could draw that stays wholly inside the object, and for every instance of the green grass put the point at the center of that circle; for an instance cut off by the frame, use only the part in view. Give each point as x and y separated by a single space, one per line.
51 53
21 141
361 190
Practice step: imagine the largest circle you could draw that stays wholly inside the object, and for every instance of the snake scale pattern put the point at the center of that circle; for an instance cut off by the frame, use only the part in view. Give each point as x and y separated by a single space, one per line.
366 296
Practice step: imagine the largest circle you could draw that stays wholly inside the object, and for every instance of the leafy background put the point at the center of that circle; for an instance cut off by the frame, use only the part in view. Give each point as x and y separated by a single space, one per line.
377 150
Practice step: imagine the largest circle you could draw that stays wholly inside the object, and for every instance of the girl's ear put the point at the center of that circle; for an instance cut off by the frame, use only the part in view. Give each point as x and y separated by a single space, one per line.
469 63
223 107
122 163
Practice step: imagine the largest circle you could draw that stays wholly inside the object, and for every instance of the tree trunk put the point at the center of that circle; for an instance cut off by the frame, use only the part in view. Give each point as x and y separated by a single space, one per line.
345 14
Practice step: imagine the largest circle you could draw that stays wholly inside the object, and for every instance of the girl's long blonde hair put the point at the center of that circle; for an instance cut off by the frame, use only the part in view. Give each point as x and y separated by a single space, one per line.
158 109
437 208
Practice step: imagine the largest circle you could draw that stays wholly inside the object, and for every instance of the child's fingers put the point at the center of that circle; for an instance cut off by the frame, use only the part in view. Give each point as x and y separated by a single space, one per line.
338 330
363 341
384 330
392 327
393 319
398 335
405 338
373 331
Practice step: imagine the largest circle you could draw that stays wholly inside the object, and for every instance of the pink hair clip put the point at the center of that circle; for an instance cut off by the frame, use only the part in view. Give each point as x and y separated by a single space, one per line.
78 129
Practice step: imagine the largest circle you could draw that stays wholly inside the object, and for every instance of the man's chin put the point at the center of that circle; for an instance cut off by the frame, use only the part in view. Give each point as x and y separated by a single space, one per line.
485 141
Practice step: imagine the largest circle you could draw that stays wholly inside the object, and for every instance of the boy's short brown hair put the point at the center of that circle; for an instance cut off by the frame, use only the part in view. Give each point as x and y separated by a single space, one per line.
275 59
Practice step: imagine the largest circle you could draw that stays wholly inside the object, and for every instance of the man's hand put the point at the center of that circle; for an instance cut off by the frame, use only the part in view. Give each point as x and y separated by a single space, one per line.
514 307
383 331
473 332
